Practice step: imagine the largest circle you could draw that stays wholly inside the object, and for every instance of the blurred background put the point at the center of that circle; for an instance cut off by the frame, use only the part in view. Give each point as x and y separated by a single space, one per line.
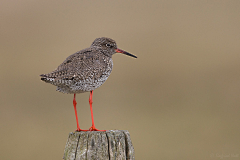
179 99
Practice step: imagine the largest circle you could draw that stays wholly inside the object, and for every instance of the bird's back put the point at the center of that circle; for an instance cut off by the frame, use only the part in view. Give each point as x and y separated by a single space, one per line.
82 71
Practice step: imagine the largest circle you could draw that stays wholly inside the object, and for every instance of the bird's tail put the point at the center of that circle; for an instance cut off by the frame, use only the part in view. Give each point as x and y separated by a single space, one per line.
45 78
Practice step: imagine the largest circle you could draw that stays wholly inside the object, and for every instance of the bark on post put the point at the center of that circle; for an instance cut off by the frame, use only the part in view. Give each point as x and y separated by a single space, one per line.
109 145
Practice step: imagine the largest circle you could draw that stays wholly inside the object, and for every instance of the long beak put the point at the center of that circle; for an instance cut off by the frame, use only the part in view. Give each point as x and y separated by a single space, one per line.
124 52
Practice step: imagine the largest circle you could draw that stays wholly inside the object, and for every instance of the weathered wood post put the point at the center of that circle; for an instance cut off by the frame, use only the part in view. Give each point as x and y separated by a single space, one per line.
109 145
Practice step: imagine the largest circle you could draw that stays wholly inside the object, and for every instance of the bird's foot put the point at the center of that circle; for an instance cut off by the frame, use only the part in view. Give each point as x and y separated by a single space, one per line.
79 130
95 129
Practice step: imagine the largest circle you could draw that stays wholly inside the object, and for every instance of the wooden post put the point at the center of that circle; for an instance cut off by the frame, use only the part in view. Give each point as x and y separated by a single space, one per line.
109 145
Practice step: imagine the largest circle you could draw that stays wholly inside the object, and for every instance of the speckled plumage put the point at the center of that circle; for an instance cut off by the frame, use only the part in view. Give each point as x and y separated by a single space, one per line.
85 70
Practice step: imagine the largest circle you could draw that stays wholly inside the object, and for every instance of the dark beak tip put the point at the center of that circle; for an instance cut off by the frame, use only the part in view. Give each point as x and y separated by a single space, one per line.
126 53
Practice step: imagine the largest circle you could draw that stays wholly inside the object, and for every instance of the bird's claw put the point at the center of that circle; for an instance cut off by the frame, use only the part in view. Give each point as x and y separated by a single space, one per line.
95 129
79 130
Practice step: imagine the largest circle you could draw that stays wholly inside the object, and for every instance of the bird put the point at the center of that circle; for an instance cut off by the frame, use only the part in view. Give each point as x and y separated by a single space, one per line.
85 71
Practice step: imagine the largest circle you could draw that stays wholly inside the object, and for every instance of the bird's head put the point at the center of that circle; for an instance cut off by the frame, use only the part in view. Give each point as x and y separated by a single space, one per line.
108 46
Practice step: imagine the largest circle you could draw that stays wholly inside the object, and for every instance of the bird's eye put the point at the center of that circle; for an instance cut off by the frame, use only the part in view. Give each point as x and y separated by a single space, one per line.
108 45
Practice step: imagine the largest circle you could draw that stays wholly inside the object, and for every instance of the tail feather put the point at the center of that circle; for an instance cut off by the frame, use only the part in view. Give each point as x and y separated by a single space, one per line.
47 79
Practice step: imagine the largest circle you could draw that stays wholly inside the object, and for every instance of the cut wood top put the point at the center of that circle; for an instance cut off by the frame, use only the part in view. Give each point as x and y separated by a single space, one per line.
109 145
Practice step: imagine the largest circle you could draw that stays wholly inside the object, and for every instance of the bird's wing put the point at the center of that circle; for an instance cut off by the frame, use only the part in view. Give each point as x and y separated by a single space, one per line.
87 63
79 64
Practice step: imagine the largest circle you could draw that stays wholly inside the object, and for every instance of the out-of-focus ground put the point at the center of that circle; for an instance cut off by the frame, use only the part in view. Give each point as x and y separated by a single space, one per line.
180 99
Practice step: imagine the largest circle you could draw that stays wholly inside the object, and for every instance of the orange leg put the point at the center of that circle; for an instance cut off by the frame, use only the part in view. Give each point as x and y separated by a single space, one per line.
75 108
93 128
